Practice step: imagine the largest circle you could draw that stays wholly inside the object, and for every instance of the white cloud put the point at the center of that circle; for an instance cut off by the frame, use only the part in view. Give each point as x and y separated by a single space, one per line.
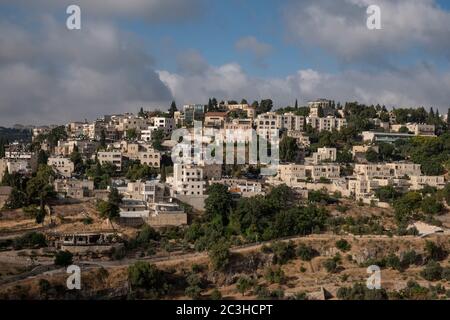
259 50
418 86
54 75
339 27
149 10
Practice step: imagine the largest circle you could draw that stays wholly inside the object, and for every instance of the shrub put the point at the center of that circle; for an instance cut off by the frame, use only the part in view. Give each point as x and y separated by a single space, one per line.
216 295
392 261
361 292
143 275
275 275
343 245
434 251
409 258
432 271
219 255
244 284
30 240
63 258
332 264
283 252
193 292
306 253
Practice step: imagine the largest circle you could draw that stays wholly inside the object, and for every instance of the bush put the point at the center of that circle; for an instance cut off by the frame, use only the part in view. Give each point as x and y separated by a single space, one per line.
216 295
193 292
432 271
63 258
306 253
343 245
275 275
283 252
30 240
143 275
361 292
392 261
434 251
88 220
219 256
244 284
332 264
409 258
446 273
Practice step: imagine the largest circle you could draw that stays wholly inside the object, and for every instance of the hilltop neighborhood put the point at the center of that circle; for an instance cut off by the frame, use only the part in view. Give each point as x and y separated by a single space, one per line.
197 170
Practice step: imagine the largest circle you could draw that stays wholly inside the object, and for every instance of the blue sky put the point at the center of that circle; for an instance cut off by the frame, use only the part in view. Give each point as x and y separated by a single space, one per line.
146 53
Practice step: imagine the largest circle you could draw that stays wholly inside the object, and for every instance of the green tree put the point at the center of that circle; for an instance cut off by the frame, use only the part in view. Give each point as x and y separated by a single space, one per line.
131 134
432 271
103 139
407 206
63 258
42 157
77 160
372 156
306 253
110 209
172 109
244 284
219 202
219 256
157 139
143 275
17 199
288 149
343 245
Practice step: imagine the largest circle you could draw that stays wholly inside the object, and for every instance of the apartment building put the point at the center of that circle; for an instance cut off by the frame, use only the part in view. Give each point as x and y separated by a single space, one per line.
389 137
131 122
242 187
113 157
166 214
239 124
300 172
315 106
215 119
193 112
85 147
163 123
75 129
388 170
418 129
420 182
251 111
72 188
322 155
268 121
62 166
356 150
292 122
150 157
18 160
302 140
188 180
329 123
142 152
148 191
14 165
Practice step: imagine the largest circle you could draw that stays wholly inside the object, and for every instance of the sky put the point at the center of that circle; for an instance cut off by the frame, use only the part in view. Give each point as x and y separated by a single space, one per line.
146 53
